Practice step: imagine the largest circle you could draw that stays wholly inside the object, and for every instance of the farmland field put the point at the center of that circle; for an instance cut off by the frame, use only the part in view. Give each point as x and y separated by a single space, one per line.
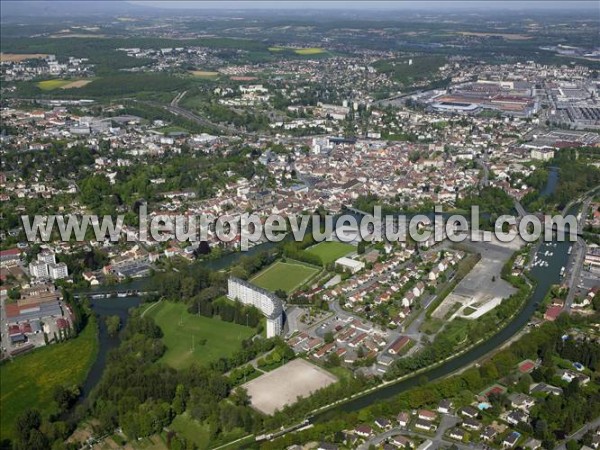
330 251
29 380
50 85
205 74
190 338
309 51
17 57
287 276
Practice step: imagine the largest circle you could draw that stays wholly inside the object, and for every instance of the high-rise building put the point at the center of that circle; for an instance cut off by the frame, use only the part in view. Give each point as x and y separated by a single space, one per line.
58 271
38 269
268 303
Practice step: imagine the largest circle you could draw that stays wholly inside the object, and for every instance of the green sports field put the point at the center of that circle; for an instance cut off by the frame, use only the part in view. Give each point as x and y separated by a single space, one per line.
330 251
287 276
194 338
29 380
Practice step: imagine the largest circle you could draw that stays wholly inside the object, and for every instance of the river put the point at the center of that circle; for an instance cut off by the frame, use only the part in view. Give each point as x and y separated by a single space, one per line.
120 306
551 183
545 277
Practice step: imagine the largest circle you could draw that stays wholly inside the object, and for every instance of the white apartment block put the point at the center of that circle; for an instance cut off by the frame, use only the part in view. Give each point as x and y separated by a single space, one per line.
58 271
269 304
39 269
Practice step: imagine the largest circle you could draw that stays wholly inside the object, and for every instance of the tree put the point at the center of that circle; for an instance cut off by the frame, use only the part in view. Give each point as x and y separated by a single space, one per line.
328 337
179 400
113 324
360 249
240 397
541 429
29 420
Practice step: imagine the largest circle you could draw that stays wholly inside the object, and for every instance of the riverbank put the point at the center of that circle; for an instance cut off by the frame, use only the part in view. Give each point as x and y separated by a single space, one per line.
30 380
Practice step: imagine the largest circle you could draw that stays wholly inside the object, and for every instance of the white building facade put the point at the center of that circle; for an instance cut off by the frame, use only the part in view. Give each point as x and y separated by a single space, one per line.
268 303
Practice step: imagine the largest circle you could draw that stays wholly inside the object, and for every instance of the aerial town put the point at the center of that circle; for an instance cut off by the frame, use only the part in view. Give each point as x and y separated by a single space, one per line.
121 338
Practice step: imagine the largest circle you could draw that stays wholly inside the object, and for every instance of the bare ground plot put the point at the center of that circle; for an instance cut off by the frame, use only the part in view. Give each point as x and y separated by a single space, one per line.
283 386
76 84
482 288
17 57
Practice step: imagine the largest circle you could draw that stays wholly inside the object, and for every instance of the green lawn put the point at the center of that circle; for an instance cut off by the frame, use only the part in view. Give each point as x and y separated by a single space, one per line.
330 251
50 85
287 276
29 380
184 334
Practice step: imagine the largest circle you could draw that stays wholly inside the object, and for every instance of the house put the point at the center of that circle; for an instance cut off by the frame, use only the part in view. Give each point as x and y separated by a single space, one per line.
403 419
363 431
471 424
553 312
570 375
468 411
457 433
398 345
425 414
532 444
401 441
489 434
511 439
327 446
521 401
545 388
445 406
516 416
383 423
425 425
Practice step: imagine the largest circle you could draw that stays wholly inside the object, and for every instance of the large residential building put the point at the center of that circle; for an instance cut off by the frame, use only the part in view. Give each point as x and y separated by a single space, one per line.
268 303
58 271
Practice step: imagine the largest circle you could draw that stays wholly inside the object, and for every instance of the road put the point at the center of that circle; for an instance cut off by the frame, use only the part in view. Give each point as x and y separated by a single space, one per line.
448 421
577 256
579 433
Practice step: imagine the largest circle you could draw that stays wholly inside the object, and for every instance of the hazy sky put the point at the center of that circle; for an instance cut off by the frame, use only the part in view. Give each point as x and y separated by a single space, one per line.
372 5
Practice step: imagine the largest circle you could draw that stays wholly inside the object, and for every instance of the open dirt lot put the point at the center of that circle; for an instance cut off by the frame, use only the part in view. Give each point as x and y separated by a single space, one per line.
283 386
477 289
16 57
76 84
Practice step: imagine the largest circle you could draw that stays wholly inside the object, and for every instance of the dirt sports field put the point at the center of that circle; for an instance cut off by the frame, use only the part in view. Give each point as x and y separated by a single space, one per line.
282 386
16 57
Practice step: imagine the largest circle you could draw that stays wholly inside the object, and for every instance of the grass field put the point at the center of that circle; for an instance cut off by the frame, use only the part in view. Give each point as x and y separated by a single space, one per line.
309 51
287 276
330 251
183 330
29 380
204 74
50 85
299 51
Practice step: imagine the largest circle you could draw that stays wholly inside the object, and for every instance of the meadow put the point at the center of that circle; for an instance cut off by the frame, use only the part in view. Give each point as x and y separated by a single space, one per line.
194 338
29 380
330 251
50 85
287 276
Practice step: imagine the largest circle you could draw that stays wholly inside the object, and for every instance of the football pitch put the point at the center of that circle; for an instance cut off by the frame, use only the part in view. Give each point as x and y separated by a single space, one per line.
287 276
330 251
